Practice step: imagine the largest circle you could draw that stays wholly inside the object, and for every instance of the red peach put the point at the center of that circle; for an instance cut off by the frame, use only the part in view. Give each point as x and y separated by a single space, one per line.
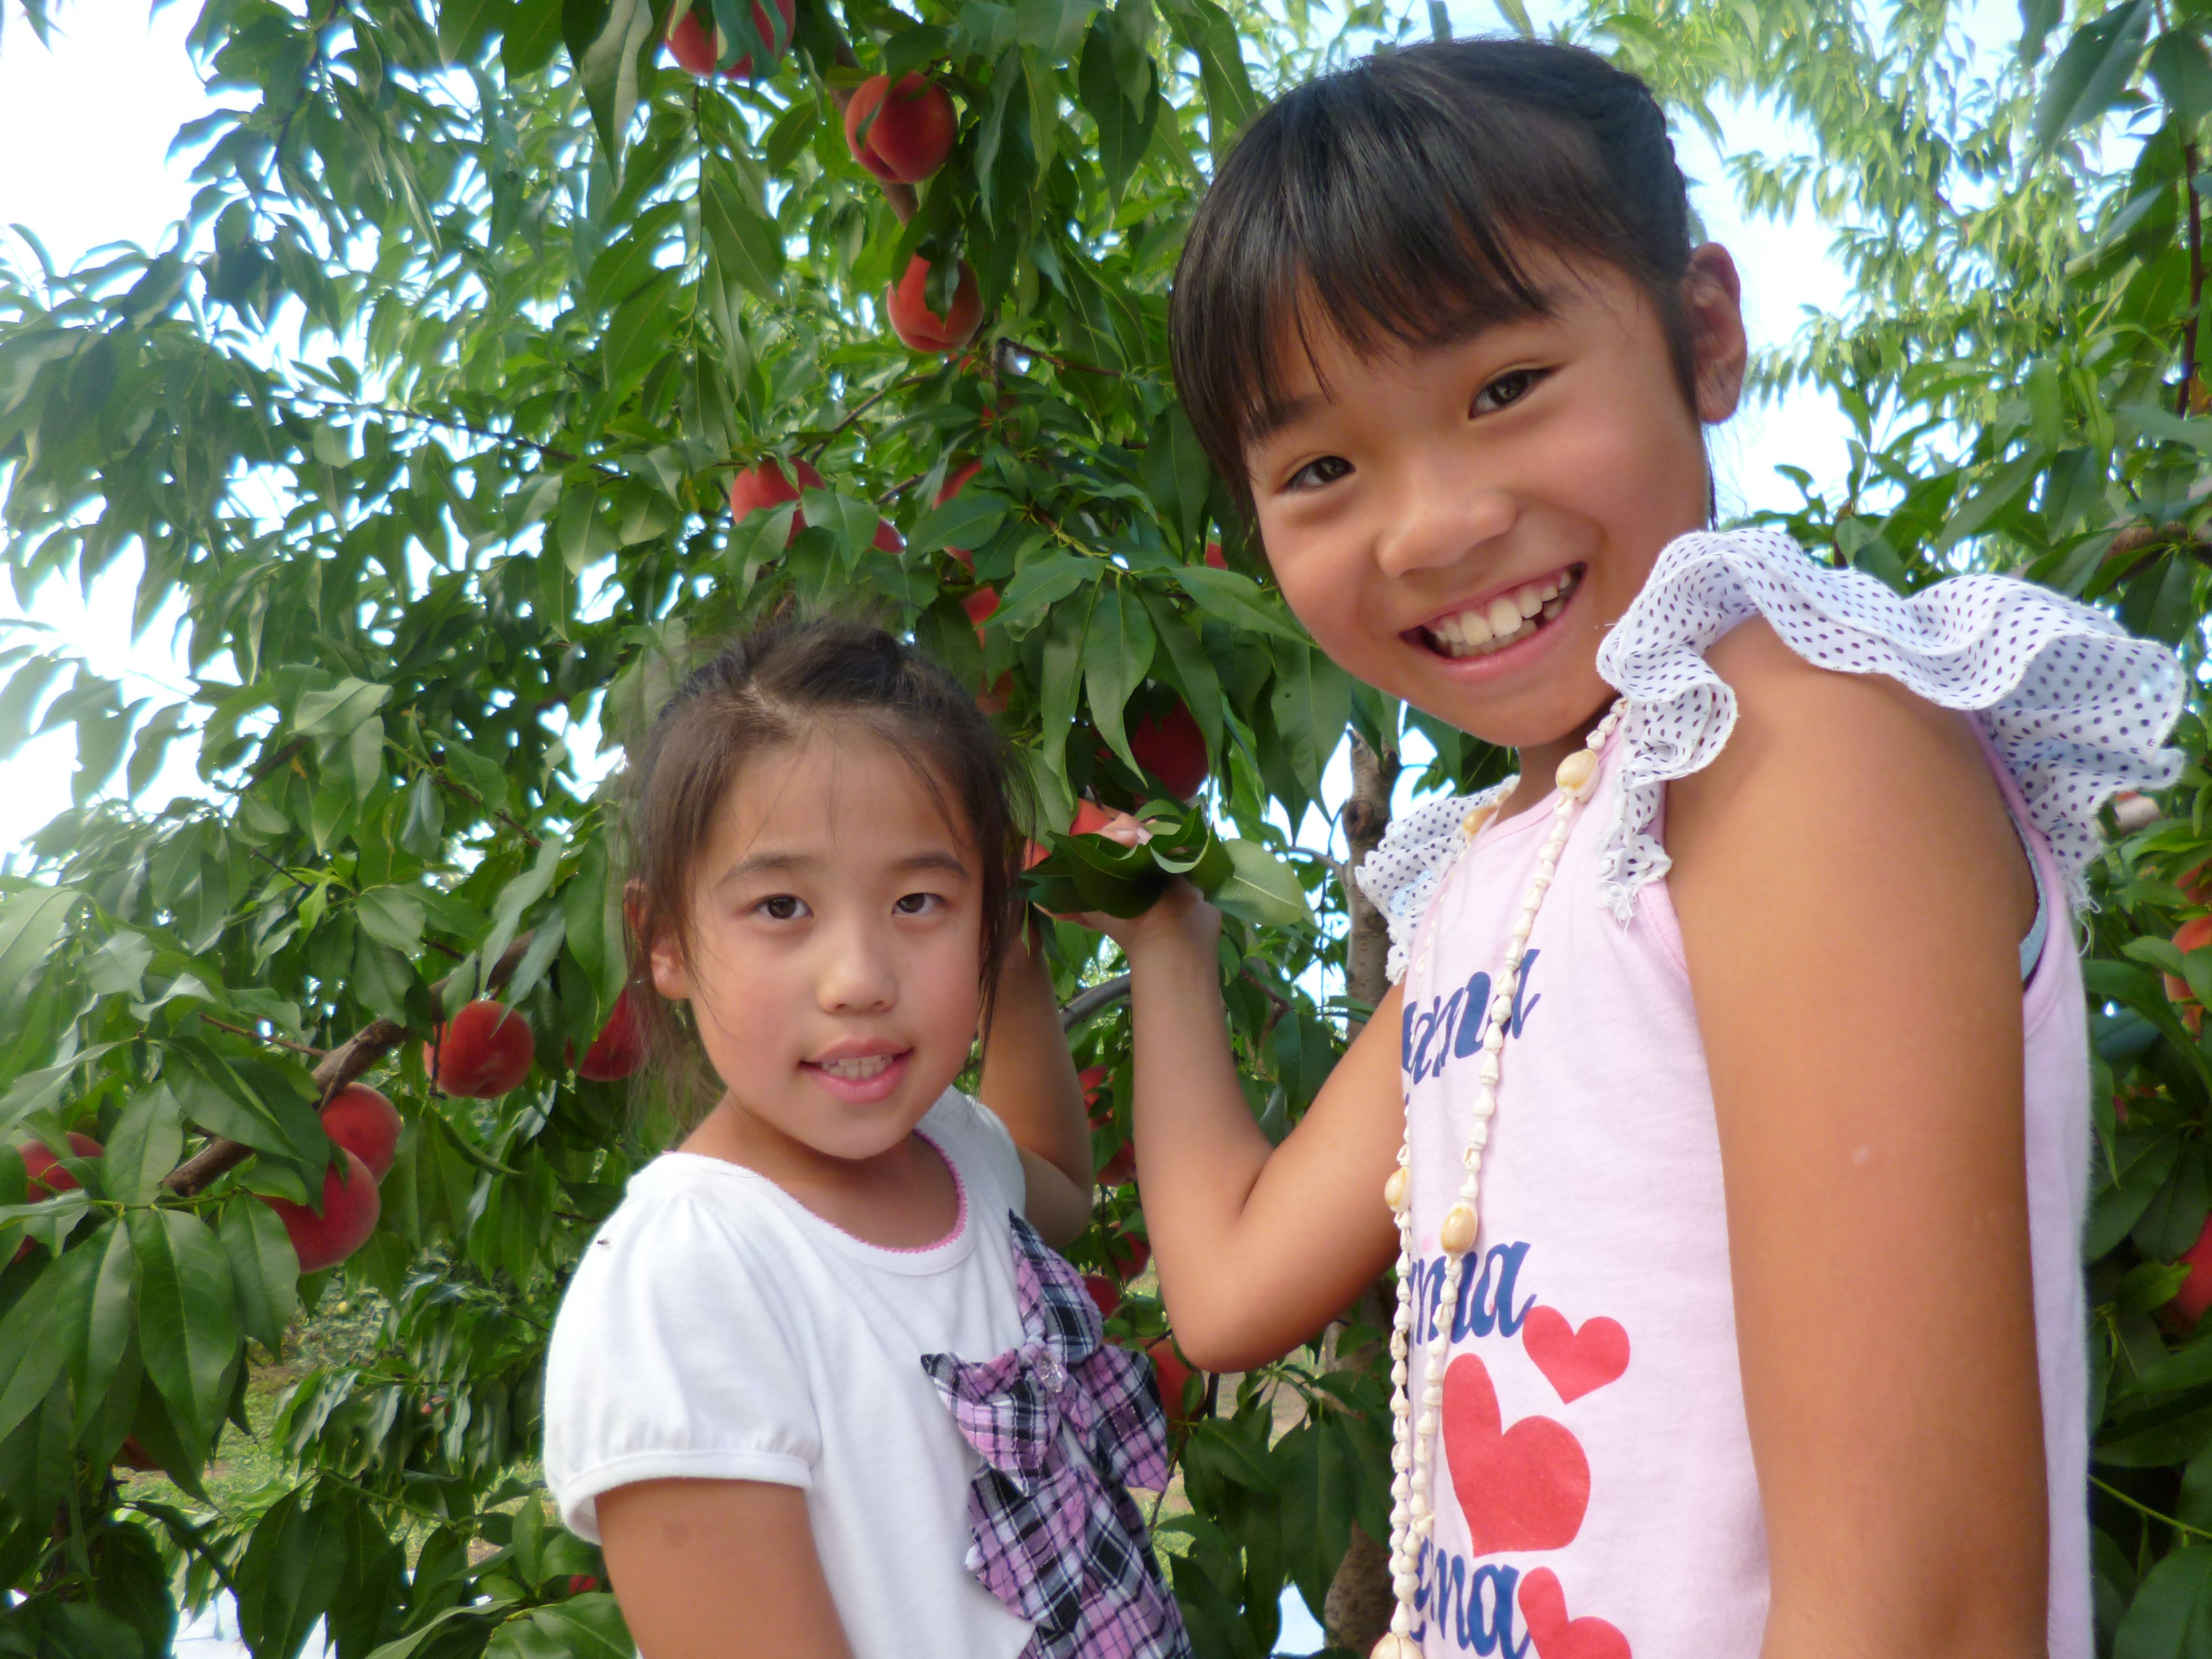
1215 557
1105 1292
1173 750
2193 935
1119 1170
698 48
582 1584
619 1049
1175 1374
906 305
46 1175
1129 1253
952 486
901 132
350 1207
483 1052
363 1121
2195 1295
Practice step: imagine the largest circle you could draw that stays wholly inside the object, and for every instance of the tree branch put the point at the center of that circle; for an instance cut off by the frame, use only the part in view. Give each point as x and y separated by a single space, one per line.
1084 1003
340 1066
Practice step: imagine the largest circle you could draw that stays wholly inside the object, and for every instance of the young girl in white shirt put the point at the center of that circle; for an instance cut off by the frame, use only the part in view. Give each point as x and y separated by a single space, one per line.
819 1386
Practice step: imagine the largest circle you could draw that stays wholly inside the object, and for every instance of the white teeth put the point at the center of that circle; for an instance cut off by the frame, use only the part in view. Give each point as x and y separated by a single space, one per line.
1506 620
859 1070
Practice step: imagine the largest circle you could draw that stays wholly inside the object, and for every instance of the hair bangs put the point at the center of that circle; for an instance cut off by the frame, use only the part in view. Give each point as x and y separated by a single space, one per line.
1394 203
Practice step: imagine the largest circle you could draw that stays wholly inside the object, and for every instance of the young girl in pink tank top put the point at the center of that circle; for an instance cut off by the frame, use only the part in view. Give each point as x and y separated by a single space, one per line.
1727 1121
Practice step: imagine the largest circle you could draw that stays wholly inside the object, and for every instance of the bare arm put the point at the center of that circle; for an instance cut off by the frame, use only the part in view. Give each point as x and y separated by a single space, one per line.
1258 1247
719 1569
1030 1082
1852 896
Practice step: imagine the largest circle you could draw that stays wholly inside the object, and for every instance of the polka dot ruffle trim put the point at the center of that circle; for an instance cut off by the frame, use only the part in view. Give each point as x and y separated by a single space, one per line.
2077 709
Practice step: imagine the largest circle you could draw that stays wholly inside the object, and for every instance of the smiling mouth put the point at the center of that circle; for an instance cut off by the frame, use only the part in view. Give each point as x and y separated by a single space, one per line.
1508 619
860 1068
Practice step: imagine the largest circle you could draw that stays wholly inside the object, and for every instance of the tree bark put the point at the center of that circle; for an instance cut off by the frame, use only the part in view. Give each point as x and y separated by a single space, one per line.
1357 1610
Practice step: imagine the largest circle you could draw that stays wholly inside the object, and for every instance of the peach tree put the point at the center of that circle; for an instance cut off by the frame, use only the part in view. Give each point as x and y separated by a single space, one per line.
512 353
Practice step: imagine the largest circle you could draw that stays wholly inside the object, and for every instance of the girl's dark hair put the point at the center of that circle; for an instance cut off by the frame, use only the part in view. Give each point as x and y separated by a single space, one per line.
1394 202
770 689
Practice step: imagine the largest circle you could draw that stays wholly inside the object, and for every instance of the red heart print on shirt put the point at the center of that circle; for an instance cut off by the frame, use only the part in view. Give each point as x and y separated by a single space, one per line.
1544 1610
1522 1488
1576 1361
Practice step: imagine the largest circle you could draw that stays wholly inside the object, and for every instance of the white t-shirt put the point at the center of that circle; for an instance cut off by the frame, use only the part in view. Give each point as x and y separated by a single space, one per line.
717 1329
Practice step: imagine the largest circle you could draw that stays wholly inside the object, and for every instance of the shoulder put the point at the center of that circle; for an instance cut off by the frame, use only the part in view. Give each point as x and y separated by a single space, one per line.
978 1142
1794 716
1854 771
686 1223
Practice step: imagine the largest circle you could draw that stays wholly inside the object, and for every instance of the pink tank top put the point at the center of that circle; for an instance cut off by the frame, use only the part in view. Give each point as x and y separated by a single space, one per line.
1599 1465
1596 1496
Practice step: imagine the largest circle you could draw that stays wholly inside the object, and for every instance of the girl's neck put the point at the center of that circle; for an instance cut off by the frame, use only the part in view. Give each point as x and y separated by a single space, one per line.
903 1197
1539 763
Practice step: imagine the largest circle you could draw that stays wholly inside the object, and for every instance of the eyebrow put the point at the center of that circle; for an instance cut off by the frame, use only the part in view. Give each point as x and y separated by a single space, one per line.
776 864
1274 415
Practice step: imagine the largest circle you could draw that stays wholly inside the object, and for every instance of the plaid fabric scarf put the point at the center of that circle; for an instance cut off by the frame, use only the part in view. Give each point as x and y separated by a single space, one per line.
1065 1425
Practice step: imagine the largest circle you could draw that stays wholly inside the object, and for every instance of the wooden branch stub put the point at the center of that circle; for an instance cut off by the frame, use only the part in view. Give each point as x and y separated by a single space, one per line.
1084 1003
342 1065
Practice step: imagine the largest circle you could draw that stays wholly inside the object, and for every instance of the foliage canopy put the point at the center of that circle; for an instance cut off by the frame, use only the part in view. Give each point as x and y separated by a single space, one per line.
426 423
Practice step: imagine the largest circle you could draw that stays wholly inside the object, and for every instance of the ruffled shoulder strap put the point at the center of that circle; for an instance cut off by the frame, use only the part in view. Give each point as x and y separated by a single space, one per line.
2077 709
1403 873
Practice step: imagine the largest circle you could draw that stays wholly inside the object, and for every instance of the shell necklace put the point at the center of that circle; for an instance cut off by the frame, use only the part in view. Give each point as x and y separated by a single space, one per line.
1414 1435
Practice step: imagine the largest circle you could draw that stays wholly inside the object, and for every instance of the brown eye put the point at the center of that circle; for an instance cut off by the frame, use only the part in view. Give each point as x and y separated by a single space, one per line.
1507 389
918 904
782 907
1315 474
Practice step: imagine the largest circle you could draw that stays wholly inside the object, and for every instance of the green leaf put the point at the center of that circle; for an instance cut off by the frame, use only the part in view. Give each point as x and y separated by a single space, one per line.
30 922
145 1145
465 25
30 1348
335 711
1263 891
2037 19
422 825
745 241
1065 634
1237 600
289 1571
2171 1617
264 1268
581 1627
95 1315
1183 661
1176 474
393 916
1116 656
969 519
1310 702
2183 74
604 39
2093 72
188 1328
1040 585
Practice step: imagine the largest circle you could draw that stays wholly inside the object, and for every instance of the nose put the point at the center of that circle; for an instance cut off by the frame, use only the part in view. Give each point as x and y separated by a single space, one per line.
1437 513
858 974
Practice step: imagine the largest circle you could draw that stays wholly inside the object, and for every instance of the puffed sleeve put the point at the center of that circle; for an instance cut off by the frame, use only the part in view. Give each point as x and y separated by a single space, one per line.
671 1359
1401 875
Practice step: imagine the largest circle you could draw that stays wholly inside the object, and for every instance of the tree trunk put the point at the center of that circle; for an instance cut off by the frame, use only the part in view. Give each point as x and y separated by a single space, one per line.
1358 1609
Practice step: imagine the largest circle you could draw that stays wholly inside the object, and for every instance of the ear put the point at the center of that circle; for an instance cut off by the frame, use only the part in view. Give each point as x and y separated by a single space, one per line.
1712 303
664 955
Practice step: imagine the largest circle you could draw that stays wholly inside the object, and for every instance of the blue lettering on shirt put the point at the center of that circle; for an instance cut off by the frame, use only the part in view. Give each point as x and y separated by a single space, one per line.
1472 1606
1454 1030
1485 1302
